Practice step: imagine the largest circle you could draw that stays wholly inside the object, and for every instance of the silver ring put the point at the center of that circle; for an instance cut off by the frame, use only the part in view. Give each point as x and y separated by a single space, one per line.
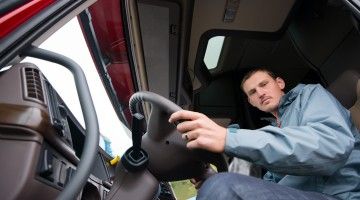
186 137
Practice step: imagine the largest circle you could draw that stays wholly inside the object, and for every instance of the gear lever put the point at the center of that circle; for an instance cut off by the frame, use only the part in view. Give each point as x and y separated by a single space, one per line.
135 158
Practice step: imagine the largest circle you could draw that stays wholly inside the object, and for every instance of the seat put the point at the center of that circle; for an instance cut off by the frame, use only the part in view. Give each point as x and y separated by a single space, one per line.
355 109
346 89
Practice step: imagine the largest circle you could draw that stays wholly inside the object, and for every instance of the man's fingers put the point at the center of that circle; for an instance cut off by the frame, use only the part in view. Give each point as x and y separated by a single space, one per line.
192 144
189 126
184 115
191 135
185 136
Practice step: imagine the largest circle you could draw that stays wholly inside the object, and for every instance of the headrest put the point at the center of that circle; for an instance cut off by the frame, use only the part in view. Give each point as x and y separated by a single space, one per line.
345 88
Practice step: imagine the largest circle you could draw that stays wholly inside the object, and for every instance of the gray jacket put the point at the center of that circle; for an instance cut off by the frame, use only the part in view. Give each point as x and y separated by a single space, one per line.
317 147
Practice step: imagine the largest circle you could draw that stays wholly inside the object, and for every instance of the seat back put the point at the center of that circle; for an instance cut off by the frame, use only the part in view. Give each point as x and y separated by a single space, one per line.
347 90
355 109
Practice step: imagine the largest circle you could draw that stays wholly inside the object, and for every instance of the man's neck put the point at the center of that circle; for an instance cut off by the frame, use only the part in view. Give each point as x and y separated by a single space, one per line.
276 115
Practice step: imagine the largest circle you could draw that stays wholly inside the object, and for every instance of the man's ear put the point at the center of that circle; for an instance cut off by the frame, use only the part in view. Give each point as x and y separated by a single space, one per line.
280 82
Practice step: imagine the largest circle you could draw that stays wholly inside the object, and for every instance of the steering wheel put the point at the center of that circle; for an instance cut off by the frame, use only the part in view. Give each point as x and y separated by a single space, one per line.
169 158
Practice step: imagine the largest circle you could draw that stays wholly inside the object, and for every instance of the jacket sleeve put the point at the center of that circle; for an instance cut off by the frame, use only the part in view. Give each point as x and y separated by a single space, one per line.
320 144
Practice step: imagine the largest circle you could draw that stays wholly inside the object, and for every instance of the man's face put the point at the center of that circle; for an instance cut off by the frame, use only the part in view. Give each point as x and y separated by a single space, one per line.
264 92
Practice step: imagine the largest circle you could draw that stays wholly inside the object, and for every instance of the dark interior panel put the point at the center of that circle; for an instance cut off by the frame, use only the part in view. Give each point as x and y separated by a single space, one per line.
37 134
344 58
218 99
319 29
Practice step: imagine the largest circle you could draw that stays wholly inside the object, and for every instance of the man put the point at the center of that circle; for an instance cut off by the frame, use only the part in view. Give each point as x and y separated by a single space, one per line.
312 152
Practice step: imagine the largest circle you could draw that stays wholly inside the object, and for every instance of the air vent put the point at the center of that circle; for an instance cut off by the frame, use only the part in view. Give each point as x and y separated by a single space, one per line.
34 89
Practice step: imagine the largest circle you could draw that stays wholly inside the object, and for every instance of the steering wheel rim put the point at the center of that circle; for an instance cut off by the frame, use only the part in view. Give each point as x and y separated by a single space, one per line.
160 101
159 133
82 173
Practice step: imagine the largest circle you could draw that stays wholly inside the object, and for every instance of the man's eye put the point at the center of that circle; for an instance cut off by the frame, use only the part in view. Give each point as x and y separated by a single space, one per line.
263 84
251 92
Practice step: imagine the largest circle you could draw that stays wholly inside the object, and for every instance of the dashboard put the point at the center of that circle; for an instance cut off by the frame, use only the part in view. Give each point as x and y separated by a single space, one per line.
41 140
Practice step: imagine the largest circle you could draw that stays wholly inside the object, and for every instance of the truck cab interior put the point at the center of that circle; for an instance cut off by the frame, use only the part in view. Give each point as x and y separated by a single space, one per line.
154 57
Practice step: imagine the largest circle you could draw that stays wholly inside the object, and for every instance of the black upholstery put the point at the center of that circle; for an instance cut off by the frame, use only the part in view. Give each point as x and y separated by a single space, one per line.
344 88
347 90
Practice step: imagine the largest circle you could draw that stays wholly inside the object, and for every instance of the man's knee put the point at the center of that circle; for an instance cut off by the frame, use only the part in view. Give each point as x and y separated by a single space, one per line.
224 185
217 181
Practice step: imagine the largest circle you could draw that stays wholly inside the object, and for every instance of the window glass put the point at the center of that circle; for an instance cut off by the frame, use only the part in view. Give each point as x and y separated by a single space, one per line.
213 51
70 42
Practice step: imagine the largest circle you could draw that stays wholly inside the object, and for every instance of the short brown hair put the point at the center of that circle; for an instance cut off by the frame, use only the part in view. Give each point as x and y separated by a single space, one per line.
251 72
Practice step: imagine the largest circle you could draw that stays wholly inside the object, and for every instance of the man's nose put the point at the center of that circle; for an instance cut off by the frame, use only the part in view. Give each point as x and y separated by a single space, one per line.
261 92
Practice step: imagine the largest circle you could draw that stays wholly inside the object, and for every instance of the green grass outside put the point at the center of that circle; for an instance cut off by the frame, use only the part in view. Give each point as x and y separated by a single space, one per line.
183 189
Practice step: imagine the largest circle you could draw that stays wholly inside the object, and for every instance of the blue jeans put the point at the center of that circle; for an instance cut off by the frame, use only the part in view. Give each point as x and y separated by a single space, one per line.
228 186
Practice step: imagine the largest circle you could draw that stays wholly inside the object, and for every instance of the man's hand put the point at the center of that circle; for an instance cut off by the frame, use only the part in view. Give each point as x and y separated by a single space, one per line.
200 131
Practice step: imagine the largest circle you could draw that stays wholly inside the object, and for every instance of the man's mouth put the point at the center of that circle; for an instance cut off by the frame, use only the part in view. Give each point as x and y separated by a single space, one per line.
265 100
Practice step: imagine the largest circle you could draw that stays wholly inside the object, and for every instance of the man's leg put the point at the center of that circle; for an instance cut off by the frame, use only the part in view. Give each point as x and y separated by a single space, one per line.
236 186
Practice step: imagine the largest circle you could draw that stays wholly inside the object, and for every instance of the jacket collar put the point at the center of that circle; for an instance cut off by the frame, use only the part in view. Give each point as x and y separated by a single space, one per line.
289 97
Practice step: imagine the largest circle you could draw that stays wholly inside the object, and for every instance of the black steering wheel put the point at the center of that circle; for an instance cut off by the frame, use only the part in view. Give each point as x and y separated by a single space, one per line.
169 158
